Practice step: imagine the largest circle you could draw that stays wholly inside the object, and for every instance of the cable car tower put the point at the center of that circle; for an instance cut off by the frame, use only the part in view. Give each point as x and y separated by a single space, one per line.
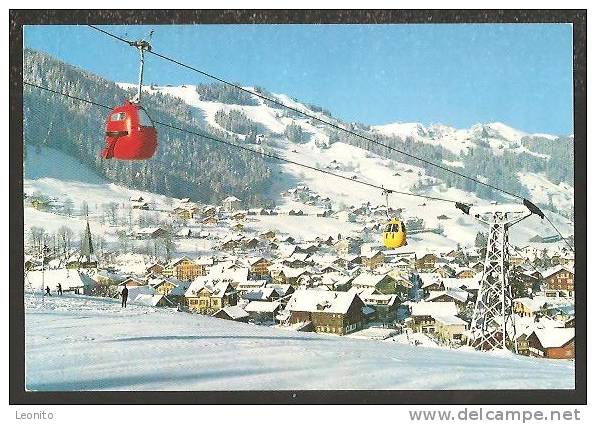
492 323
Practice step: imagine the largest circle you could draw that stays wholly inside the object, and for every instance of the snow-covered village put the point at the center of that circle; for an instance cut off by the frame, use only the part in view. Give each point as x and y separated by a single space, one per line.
212 269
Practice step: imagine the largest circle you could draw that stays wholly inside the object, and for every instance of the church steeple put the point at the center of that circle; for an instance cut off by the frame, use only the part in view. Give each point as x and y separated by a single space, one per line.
87 252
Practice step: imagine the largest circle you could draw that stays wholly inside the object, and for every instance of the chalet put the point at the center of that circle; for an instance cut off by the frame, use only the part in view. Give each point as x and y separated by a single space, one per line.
155 269
267 235
560 312
232 313
457 296
210 220
283 290
443 271
382 283
426 262
164 285
423 315
478 267
261 311
107 278
531 279
328 311
430 282
384 305
450 328
344 246
308 248
185 212
336 281
465 273
324 213
150 233
250 243
552 343
184 269
287 239
289 275
259 266
328 269
205 261
236 275
559 281
522 345
373 260
231 203
230 244
455 253
207 296
239 216
527 307
209 212
132 282
263 294
296 261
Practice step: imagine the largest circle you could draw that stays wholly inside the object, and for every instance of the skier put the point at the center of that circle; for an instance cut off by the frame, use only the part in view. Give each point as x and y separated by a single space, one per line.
124 295
48 290
59 289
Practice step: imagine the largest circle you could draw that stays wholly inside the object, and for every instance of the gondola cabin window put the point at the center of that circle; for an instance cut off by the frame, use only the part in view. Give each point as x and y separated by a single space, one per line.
119 116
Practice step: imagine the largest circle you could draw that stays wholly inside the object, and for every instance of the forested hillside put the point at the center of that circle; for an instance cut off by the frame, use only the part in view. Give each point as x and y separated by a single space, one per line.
539 167
184 165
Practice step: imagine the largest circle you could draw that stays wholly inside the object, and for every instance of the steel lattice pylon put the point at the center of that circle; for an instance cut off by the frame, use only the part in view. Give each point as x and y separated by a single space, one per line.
492 312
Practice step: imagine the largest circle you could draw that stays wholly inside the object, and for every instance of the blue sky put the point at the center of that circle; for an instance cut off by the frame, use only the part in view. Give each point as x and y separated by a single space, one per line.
459 75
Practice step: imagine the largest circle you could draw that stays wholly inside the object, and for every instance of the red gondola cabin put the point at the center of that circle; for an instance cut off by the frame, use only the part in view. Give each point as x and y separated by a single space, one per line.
130 134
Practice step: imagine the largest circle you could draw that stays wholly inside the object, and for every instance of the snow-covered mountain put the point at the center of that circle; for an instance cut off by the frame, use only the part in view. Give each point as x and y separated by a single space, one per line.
536 166
317 146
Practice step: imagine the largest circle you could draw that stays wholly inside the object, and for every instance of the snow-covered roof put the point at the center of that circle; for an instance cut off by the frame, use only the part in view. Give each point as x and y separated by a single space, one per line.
321 301
457 295
234 274
281 289
378 299
433 308
259 306
263 293
231 199
554 337
449 320
366 279
234 312
532 305
69 279
134 291
216 287
147 299
553 270
293 272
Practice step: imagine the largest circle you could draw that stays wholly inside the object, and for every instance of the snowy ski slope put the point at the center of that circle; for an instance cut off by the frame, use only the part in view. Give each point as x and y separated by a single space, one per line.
88 343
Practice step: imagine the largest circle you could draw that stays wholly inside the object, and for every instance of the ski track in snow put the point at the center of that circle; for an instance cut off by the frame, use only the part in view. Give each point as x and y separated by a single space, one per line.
85 343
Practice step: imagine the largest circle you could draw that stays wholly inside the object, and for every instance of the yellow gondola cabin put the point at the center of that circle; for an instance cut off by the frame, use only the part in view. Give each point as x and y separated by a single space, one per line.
394 235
